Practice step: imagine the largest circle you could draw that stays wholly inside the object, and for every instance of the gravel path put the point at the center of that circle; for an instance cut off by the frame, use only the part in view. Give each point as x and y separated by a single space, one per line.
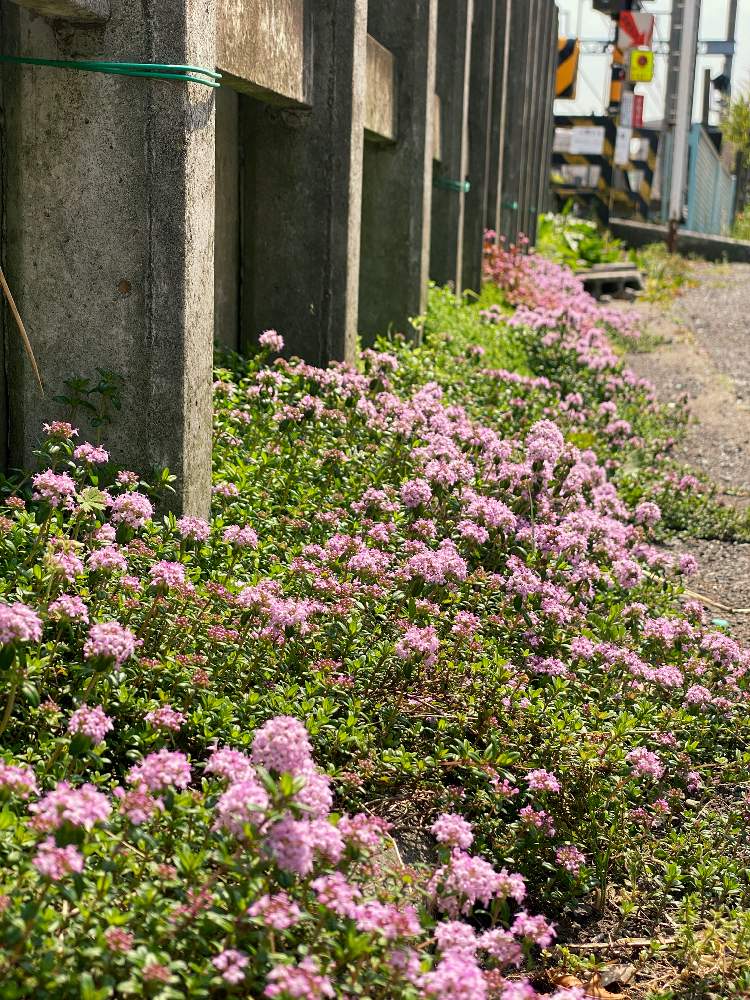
705 353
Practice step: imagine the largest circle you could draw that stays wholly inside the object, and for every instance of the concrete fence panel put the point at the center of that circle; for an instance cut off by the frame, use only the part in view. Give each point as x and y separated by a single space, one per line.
108 241
397 179
355 149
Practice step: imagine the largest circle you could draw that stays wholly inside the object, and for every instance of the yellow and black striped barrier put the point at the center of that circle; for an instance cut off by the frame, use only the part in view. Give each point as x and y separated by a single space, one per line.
591 177
645 164
594 183
618 75
568 56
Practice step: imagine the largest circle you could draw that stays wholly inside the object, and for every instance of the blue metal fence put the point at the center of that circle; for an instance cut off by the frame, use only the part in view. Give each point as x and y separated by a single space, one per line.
711 187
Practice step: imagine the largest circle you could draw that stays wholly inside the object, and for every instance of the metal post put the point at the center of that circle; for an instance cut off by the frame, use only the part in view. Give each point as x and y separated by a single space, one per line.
706 96
731 36
688 52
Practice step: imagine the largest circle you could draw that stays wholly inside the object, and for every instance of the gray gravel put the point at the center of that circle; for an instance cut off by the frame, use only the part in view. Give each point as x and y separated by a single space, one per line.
724 580
705 353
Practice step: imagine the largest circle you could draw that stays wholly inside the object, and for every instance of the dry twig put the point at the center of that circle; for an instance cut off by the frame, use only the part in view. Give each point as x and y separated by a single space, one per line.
618 943
21 328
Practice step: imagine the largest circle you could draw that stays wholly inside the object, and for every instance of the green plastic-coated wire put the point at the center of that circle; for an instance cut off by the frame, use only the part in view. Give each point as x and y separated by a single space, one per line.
461 187
153 71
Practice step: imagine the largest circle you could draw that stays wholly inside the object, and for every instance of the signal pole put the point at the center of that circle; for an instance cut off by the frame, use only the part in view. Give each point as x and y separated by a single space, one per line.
684 85
731 37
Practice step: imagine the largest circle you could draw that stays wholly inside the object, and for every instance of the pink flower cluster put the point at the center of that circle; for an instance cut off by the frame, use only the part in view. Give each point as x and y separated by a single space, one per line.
131 509
55 862
166 575
91 453
453 830
421 643
230 964
80 807
303 981
645 763
282 745
540 780
161 770
165 717
468 879
108 559
194 528
272 341
276 910
69 607
19 623
109 641
91 722
21 781
243 538
57 488
416 493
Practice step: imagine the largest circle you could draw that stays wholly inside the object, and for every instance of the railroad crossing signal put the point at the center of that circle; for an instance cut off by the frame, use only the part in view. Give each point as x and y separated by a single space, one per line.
641 66
635 30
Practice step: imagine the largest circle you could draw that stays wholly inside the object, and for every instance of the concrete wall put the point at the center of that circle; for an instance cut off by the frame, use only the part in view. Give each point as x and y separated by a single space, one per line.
718 248
336 184
107 242
78 10
380 93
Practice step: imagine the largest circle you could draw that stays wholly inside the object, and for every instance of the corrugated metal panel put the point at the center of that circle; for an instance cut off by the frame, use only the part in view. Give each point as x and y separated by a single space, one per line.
702 182
710 187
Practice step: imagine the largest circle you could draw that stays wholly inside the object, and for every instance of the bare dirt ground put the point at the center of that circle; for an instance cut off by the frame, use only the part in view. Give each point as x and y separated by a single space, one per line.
704 352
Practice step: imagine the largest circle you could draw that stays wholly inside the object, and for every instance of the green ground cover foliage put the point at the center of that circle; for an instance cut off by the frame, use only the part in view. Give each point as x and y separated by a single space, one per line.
457 588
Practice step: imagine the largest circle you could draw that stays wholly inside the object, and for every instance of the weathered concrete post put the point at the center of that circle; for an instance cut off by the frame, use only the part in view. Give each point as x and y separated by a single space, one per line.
482 87
545 195
302 187
452 87
515 123
397 185
499 115
539 166
108 204
530 103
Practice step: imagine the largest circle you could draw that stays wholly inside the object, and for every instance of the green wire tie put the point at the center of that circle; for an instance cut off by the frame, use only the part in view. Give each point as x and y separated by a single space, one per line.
510 204
148 71
461 187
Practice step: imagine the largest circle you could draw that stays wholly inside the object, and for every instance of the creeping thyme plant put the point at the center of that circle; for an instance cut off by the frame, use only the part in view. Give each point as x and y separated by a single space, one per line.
418 702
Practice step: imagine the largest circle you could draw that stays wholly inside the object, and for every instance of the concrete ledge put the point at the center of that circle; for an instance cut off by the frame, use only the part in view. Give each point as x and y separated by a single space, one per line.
71 10
380 93
261 48
639 234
